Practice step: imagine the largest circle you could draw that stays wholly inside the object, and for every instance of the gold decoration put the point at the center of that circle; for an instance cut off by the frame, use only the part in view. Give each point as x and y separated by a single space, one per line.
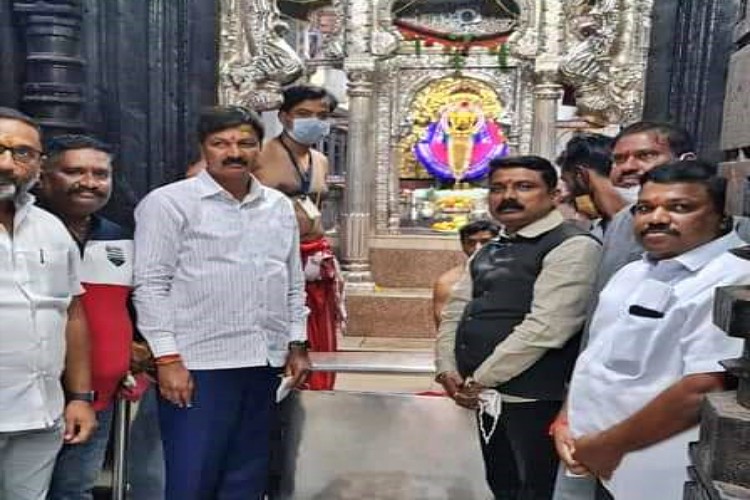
427 107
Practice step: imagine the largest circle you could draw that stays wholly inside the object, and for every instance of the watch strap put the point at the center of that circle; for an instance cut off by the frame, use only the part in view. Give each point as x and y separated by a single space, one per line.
88 396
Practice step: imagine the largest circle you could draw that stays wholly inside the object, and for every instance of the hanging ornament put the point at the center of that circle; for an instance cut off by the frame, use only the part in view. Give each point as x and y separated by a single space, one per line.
418 47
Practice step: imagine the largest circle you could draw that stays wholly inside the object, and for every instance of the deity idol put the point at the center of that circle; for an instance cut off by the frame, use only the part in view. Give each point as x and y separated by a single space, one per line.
460 144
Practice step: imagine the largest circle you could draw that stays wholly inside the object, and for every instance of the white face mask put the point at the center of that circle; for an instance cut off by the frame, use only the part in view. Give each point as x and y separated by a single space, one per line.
308 131
628 194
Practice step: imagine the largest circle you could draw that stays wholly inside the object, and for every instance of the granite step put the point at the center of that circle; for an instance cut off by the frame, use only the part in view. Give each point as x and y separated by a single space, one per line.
391 312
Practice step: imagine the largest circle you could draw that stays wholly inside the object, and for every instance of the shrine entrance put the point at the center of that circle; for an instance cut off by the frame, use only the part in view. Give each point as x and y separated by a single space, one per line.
458 126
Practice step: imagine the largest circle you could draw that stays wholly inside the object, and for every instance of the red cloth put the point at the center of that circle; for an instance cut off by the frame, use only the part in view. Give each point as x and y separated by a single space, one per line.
111 330
323 297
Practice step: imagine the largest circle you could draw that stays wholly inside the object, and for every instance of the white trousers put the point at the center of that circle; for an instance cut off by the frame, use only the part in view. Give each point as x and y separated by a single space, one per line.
26 462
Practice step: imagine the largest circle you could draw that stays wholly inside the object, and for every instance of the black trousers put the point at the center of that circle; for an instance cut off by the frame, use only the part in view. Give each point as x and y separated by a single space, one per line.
603 493
520 459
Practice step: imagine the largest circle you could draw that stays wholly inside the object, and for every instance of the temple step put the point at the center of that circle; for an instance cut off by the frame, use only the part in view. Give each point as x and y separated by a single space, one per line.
390 312
414 262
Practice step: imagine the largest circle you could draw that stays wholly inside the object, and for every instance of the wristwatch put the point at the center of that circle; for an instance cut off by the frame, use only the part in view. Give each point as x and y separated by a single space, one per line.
88 396
300 344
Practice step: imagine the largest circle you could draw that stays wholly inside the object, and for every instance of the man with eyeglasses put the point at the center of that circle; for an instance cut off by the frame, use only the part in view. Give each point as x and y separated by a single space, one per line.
45 338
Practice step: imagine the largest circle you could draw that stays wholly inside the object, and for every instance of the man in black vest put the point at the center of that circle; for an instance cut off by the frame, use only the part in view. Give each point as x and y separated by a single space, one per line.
511 328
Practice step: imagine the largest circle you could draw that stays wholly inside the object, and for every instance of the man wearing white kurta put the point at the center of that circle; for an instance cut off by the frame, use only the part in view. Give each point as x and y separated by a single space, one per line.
654 351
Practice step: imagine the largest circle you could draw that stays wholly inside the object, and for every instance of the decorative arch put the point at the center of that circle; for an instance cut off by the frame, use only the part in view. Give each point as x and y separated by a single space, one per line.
387 37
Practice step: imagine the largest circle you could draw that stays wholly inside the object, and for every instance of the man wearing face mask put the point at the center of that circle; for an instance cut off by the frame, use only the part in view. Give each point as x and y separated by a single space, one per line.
291 164
654 352
585 165
44 346
637 149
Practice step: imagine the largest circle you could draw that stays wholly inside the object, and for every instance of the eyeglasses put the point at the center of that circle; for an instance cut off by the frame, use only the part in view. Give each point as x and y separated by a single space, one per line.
21 154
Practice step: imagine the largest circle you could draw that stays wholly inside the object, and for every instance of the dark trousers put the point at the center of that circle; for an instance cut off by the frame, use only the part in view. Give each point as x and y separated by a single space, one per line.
520 460
603 493
218 449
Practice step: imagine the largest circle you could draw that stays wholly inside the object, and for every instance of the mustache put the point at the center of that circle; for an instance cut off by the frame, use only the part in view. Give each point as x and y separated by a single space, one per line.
78 190
234 160
509 205
659 229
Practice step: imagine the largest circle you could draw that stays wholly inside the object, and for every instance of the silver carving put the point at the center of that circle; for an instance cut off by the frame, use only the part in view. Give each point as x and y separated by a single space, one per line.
333 43
255 60
606 59
599 47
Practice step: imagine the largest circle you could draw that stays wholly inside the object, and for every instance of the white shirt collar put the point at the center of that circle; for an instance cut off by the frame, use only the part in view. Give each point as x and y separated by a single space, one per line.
540 226
209 187
23 204
695 259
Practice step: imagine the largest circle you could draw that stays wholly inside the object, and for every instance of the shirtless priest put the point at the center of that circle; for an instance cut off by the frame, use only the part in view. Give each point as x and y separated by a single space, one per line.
291 164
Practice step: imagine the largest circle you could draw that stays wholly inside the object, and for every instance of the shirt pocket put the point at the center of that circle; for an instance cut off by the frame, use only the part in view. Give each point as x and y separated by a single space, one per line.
48 271
630 350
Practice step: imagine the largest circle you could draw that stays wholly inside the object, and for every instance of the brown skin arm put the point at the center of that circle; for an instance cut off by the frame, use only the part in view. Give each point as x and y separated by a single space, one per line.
441 291
440 294
297 365
80 420
671 412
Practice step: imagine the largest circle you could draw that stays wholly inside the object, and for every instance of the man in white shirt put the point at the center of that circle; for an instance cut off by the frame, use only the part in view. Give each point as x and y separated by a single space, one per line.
44 335
654 352
220 299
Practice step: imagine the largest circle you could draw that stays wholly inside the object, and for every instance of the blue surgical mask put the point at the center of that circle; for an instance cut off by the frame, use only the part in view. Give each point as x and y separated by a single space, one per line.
308 131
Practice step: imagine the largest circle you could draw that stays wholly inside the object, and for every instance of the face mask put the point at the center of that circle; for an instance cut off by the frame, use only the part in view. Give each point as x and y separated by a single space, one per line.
308 131
629 194
585 205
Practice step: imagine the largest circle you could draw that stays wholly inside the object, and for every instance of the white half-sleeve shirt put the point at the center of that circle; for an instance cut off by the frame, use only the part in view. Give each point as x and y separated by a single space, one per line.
39 275
632 357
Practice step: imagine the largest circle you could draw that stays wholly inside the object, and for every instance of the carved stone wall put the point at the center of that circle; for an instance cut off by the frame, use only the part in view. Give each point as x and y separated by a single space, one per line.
721 459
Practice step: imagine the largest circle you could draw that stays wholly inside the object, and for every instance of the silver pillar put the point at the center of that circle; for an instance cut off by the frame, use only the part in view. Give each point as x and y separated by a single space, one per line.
358 195
544 133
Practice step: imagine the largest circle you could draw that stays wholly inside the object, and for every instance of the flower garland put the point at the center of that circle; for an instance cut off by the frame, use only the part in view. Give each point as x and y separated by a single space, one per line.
456 47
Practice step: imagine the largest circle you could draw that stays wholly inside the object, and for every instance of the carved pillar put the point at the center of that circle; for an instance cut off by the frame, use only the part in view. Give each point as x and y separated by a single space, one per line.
543 136
358 196
53 89
721 459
